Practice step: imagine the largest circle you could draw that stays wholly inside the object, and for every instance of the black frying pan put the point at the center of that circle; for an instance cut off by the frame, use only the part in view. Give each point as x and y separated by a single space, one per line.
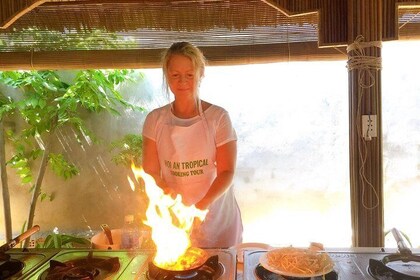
203 257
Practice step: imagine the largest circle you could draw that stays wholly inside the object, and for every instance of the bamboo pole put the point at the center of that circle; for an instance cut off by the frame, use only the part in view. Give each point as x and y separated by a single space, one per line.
364 61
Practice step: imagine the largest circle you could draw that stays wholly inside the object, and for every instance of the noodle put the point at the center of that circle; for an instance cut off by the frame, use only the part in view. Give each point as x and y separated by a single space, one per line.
299 261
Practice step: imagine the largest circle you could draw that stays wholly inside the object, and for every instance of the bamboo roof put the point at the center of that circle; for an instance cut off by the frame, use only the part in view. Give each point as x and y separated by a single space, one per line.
230 31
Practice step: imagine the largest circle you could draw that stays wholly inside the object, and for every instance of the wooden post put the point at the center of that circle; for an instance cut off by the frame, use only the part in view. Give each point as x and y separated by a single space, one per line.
364 63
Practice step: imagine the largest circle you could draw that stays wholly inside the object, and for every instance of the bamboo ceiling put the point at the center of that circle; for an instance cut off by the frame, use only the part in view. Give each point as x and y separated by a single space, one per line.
230 31
155 24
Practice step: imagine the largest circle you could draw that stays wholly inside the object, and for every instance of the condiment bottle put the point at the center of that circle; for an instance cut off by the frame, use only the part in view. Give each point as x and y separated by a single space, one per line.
129 234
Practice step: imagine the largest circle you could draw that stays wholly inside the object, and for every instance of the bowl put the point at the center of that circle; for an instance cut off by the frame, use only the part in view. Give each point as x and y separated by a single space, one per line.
100 241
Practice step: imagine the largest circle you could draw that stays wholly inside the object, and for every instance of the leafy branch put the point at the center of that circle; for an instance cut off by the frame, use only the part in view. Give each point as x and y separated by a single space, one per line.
46 103
130 150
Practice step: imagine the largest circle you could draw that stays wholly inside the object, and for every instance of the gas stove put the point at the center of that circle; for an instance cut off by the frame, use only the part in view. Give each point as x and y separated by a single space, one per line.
24 262
348 265
118 264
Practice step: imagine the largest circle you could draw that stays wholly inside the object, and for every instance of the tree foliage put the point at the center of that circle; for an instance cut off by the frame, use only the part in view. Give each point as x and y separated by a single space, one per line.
46 103
129 150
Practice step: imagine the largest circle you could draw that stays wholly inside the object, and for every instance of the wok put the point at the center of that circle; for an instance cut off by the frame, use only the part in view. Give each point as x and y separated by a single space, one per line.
201 258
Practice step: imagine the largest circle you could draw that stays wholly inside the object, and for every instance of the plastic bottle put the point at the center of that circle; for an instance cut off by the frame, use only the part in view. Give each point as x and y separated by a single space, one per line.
129 234
145 233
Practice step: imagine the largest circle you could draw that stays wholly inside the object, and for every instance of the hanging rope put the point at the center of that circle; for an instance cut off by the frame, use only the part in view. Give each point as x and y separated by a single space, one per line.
367 66
360 61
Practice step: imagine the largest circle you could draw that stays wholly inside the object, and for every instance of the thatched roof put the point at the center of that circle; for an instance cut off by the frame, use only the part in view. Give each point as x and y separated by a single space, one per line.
54 32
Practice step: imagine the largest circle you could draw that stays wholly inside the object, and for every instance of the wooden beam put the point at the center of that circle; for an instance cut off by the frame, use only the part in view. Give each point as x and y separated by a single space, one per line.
390 20
150 58
293 8
12 10
332 26
333 23
334 17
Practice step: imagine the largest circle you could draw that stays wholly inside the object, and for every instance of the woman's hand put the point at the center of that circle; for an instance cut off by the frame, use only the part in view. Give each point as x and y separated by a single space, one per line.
226 162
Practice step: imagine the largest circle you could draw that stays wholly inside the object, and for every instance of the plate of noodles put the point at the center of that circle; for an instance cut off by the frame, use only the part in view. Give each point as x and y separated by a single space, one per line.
297 262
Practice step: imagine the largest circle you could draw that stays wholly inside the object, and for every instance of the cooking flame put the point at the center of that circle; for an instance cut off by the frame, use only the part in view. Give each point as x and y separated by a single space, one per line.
170 220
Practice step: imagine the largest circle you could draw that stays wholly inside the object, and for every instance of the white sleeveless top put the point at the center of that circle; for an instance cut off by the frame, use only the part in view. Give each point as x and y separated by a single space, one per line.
187 156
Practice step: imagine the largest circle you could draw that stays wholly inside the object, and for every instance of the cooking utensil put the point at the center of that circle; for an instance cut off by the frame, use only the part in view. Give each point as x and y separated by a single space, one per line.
100 240
108 233
199 255
404 255
12 243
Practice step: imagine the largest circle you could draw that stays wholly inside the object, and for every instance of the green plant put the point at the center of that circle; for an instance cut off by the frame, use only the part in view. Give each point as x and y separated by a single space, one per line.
45 104
129 150
52 40
56 240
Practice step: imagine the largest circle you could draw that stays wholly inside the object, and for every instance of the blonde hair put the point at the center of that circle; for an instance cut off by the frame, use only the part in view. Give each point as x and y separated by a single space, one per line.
189 50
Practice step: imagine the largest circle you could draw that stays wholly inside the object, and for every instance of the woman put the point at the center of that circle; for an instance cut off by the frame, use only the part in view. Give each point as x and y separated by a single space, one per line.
189 147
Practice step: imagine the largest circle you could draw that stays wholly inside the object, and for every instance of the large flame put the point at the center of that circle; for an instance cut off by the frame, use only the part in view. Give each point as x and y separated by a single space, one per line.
170 220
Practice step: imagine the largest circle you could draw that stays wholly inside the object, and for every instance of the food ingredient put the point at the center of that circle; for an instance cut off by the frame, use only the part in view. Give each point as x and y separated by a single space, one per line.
299 261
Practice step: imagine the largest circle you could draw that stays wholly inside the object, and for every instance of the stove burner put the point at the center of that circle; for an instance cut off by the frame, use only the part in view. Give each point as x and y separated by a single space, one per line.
402 271
82 269
265 274
210 270
81 273
10 267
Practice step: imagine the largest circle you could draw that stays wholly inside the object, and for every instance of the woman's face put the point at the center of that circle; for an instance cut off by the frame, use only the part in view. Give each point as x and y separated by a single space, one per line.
181 76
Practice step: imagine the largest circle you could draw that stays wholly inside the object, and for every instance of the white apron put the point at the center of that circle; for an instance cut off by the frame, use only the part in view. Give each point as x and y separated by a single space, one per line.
187 155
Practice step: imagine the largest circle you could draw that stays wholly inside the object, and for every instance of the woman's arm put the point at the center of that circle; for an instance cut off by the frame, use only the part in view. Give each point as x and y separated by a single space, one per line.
151 162
226 164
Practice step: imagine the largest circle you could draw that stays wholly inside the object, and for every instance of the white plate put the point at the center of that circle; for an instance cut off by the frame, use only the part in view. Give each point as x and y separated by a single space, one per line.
324 259
240 248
